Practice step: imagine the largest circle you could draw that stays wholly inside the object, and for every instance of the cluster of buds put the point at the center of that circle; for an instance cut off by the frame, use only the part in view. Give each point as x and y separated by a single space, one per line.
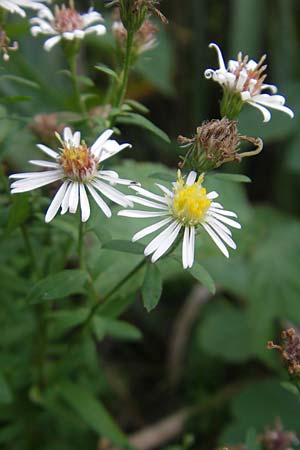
5 46
44 126
216 142
278 439
133 13
144 39
289 350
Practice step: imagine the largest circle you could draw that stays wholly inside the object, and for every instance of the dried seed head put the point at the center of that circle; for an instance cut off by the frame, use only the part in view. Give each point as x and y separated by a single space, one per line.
215 143
277 438
289 350
5 46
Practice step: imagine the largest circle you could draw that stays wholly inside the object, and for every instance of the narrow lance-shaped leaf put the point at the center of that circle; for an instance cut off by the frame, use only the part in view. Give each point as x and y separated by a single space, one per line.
58 285
93 413
152 287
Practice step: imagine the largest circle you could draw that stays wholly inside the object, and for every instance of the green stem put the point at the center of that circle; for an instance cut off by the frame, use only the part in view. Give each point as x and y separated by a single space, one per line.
81 245
4 179
125 72
79 101
30 250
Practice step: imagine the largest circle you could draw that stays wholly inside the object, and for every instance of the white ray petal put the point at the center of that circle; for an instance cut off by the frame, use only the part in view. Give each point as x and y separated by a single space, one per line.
67 136
48 151
41 163
76 139
160 238
51 42
191 178
96 147
100 202
74 197
164 189
65 201
140 214
191 250
148 230
165 246
224 236
212 195
29 185
35 175
112 193
216 239
212 220
148 194
84 204
220 56
145 202
223 212
98 29
265 112
185 248
56 202
230 222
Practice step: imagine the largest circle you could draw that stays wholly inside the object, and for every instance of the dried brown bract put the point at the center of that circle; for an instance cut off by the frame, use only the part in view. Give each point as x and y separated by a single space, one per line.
289 350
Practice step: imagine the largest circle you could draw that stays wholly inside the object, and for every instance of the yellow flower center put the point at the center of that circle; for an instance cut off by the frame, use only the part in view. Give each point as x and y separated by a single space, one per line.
190 203
78 163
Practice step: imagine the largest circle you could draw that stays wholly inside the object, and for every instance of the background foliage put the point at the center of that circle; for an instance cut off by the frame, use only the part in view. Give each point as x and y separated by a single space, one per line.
202 356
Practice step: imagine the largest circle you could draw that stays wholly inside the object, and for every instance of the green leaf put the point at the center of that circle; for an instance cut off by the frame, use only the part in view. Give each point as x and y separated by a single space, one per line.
107 70
5 392
152 287
18 212
85 81
201 275
16 98
137 106
251 440
103 326
226 332
58 285
65 319
102 234
290 387
140 121
21 80
235 177
163 176
92 412
124 246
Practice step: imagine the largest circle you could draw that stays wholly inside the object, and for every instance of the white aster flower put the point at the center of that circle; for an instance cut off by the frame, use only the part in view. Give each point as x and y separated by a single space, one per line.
66 23
187 207
247 77
78 167
16 6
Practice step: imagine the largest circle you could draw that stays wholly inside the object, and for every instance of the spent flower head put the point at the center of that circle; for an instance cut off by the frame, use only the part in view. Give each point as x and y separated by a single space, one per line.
289 350
243 81
277 438
144 39
65 24
186 208
16 6
216 142
5 46
79 168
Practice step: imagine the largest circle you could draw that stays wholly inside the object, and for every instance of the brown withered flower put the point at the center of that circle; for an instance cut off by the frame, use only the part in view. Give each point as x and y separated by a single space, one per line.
277 438
215 143
5 46
289 350
144 39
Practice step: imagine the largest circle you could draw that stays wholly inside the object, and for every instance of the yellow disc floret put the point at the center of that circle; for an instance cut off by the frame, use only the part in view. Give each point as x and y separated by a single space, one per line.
190 203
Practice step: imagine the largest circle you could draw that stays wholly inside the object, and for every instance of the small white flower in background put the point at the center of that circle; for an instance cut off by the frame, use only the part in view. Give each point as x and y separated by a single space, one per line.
78 167
16 6
187 207
247 78
66 23
144 39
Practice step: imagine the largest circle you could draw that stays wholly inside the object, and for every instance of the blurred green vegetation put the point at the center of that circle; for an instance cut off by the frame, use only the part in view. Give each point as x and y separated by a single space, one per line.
224 376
